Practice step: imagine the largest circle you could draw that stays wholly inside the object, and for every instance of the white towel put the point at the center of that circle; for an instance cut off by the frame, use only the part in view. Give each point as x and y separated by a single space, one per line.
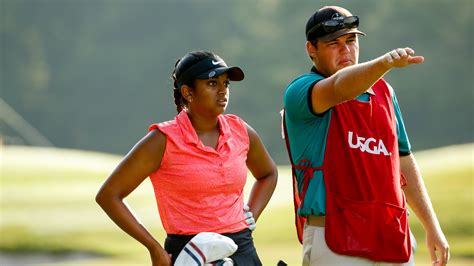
206 248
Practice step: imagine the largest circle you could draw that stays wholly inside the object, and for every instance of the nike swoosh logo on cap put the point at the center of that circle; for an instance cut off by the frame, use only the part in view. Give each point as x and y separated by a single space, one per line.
217 62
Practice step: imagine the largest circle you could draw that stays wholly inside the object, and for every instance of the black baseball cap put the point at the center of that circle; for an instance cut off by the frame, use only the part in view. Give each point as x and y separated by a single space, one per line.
336 16
207 67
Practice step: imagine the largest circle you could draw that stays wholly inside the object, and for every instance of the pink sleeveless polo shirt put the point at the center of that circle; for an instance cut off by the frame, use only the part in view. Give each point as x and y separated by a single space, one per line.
198 188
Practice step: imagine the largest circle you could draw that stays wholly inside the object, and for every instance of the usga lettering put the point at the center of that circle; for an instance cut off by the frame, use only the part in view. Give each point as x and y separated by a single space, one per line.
365 145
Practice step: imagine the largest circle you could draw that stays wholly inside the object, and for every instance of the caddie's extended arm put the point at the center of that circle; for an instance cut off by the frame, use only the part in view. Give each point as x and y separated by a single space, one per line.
144 158
419 201
263 168
351 81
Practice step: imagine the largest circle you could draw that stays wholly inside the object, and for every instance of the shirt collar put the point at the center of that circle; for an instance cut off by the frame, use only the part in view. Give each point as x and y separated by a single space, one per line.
189 133
187 129
225 130
314 70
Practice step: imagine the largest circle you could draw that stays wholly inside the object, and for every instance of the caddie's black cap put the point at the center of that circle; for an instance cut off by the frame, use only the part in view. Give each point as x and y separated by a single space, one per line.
314 31
207 67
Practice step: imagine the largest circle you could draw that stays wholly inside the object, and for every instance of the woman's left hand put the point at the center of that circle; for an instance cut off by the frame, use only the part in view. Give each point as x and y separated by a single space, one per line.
249 218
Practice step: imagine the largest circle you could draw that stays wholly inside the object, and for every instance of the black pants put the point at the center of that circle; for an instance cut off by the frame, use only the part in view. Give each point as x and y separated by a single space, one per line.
246 255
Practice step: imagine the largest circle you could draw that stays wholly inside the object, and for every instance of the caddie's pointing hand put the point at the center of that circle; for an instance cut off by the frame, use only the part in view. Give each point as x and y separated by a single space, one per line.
402 57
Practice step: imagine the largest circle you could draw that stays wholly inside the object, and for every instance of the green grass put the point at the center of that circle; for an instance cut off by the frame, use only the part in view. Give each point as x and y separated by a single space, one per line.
47 205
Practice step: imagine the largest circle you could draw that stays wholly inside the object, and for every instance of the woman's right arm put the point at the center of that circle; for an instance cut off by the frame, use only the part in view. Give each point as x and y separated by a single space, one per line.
142 160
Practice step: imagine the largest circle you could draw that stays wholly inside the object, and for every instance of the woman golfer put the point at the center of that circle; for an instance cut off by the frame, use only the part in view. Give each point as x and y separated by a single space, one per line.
198 166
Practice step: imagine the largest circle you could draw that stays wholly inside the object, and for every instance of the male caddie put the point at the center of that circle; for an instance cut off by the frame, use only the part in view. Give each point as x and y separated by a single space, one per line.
351 158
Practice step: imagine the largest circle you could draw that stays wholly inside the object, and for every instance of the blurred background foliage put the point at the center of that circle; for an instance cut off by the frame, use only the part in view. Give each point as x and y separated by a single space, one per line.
93 74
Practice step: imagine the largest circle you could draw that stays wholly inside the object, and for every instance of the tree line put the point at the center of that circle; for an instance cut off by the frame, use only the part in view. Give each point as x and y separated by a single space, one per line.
94 74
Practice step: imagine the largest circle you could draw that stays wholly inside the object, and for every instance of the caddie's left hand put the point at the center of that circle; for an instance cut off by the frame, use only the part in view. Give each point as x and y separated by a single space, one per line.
438 247
402 57
249 218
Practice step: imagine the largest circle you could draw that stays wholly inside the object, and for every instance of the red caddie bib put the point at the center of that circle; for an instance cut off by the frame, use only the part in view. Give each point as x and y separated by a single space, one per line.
366 213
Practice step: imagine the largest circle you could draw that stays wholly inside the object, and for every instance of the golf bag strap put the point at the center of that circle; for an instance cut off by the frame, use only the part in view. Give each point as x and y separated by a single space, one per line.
306 167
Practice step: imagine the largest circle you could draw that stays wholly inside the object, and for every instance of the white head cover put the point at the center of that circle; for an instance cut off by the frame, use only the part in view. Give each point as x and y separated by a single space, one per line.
205 248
